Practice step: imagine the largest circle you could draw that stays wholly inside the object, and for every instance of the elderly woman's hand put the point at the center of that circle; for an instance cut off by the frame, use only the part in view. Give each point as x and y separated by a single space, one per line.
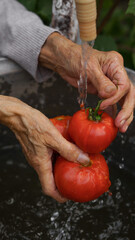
106 75
110 67
38 138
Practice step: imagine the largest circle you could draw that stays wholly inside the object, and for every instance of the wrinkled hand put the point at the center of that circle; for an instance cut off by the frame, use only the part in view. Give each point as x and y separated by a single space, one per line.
38 138
106 75
109 66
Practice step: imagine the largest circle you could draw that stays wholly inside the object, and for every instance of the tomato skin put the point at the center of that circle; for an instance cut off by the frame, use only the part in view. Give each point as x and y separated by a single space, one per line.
79 183
62 124
92 136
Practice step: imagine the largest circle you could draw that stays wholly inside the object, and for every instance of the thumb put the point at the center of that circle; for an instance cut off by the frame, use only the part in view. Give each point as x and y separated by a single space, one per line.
66 149
71 152
74 154
105 87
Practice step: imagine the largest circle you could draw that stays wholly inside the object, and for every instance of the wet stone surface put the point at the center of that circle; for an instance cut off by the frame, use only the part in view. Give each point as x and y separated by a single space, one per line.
26 214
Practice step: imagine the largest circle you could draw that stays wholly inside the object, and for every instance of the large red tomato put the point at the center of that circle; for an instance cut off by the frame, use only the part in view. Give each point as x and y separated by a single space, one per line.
79 183
62 124
92 130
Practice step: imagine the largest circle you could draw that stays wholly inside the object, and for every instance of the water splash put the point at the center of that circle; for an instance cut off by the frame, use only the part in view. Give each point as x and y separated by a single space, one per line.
108 217
87 48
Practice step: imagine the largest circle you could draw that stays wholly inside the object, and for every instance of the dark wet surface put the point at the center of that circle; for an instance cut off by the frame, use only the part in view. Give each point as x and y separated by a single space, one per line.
26 214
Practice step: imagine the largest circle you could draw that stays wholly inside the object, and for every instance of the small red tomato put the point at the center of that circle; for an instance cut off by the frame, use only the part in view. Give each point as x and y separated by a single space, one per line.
92 130
80 183
62 124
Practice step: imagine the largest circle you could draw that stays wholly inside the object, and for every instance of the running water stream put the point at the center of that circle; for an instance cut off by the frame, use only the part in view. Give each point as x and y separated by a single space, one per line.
87 48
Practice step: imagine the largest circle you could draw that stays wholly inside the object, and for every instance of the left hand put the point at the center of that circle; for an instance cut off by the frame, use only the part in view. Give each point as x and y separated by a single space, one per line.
38 138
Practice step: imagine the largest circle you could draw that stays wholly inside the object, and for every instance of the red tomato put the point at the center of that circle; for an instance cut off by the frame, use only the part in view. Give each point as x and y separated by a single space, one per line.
62 124
92 130
79 183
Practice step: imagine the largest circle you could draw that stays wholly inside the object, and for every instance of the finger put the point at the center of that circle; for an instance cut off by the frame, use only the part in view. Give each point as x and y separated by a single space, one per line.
126 124
103 85
114 99
72 153
112 110
91 89
68 150
47 181
123 84
65 148
127 109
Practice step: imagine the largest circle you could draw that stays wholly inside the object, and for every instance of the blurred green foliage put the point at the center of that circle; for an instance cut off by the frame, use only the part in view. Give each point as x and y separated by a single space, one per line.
115 23
131 7
119 28
43 8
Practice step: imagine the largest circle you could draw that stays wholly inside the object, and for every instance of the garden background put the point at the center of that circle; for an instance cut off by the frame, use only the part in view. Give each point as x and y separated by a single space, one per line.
115 25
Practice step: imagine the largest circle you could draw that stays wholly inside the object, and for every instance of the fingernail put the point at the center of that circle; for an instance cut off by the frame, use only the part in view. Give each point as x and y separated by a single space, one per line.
83 158
103 107
110 89
125 128
122 123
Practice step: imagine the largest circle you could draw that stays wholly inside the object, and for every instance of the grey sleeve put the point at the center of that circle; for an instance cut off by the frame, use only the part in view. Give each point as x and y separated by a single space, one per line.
22 34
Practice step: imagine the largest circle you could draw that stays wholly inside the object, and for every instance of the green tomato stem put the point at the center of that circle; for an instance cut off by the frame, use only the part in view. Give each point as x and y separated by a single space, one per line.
93 114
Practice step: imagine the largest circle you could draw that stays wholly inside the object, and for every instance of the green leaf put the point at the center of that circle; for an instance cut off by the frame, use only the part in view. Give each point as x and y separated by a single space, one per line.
29 4
133 56
131 7
44 10
105 43
127 56
106 5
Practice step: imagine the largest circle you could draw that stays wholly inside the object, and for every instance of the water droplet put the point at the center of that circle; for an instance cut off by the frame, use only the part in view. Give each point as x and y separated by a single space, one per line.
110 201
39 204
54 216
128 204
10 201
121 165
28 224
9 162
39 214
101 202
40 234
118 195
118 182
122 141
22 165
56 225
23 190
132 140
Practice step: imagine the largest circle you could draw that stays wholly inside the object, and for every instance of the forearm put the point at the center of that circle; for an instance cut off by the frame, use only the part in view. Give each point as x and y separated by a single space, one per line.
58 52
22 35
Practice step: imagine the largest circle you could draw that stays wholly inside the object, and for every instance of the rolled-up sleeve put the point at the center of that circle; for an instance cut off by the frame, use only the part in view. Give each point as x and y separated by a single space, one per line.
22 34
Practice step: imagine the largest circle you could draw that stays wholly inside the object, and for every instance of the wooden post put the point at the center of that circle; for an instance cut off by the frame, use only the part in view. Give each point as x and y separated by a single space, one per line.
86 14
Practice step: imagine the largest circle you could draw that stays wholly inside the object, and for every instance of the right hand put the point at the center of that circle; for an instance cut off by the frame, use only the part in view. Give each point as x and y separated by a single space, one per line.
38 138
106 75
